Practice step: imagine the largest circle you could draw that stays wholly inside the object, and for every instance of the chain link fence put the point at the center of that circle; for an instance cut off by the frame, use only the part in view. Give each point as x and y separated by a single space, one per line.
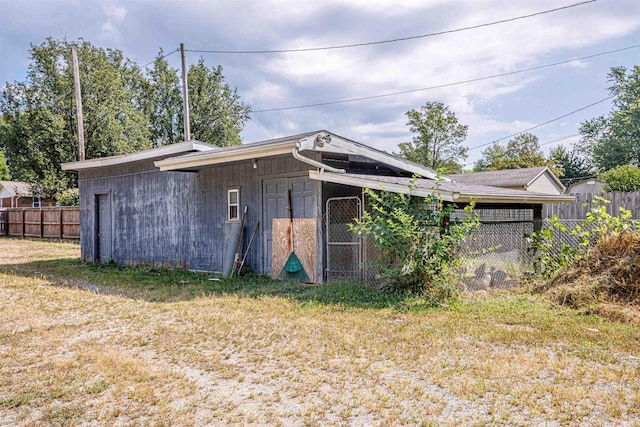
344 247
495 256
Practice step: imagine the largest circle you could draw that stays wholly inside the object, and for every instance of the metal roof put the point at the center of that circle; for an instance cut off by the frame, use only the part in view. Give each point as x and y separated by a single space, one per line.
154 153
449 191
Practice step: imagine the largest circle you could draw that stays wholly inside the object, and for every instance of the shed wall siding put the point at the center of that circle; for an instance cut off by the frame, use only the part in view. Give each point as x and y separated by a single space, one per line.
179 218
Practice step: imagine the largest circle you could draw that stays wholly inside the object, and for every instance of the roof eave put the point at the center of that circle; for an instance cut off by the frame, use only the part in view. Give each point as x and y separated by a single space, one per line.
244 152
447 196
167 150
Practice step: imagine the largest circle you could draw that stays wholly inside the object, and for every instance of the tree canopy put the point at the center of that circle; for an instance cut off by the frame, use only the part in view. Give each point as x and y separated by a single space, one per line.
125 108
522 151
438 138
573 164
4 170
613 139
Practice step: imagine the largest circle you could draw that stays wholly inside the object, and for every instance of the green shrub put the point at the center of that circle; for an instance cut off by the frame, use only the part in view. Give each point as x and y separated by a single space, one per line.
417 242
552 254
622 178
68 197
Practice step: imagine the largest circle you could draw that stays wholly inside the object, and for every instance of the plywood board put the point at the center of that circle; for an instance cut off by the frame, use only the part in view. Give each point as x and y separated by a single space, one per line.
305 242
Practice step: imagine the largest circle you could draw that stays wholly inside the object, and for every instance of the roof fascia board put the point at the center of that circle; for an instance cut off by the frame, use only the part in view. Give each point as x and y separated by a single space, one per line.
243 152
377 185
343 146
166 150
447 196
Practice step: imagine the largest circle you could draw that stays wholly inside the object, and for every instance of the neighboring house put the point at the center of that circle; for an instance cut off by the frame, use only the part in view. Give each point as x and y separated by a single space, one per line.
16 194
591 185
182 204
539 179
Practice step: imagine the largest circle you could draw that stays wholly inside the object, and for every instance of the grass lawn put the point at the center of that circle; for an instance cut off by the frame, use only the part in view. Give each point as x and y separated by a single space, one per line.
91 345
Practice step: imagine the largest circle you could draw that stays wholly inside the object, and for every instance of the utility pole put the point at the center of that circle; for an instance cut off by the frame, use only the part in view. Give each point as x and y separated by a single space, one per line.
76 88
185 95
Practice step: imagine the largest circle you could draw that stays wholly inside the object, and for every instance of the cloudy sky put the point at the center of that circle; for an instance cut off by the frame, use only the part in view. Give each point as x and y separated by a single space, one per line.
493 108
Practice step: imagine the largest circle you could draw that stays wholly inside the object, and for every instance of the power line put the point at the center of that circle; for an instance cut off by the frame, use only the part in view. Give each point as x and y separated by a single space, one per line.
345 46
162 57
541 124
477 79
540 145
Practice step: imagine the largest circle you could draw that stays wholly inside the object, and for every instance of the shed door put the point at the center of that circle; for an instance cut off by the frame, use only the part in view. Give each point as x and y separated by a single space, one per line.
103 228
275 204
274 199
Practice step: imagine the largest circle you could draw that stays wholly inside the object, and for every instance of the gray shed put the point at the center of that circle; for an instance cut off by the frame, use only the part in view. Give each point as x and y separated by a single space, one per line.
181 204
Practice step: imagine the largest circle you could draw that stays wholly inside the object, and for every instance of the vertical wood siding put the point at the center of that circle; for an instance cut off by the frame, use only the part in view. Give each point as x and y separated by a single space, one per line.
180 218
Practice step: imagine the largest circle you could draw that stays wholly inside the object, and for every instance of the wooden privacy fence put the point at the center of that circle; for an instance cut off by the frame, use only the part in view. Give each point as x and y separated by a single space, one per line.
45 223
583 203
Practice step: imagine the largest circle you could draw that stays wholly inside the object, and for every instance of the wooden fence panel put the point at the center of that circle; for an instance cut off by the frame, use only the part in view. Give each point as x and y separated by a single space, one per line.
4 222
583 203
51 227
49 223
70 223
32 222
16 219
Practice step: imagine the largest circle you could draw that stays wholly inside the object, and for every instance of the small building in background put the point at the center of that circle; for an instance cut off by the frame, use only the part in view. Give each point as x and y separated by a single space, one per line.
17 194
539 179
591 185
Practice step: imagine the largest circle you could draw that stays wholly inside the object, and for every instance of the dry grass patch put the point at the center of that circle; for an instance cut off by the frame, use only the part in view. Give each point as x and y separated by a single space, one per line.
605 281
162 352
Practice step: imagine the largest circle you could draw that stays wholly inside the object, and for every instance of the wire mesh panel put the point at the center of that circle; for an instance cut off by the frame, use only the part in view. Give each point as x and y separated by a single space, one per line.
344 247
497 253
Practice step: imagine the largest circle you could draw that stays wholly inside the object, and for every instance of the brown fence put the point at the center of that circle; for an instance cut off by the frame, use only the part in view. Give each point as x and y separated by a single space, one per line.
45 223
583 203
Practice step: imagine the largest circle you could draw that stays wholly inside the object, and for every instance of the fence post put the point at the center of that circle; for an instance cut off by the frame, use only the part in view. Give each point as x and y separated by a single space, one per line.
41 223
23 224
537 218
61 223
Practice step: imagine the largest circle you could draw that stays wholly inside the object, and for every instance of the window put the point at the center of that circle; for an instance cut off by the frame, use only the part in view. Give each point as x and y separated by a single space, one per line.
233 203
36 202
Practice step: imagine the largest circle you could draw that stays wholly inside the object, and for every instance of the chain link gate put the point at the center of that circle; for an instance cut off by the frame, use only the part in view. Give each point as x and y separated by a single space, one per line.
344 247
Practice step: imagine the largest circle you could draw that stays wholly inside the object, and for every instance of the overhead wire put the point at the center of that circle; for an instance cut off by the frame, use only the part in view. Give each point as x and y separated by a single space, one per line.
477 79
399 39
541 124
161 57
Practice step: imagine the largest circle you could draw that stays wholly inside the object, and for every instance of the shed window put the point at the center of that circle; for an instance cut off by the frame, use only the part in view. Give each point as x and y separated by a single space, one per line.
233 203
36 202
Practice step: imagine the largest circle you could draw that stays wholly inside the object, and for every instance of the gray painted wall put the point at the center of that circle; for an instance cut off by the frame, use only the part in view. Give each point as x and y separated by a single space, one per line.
180 218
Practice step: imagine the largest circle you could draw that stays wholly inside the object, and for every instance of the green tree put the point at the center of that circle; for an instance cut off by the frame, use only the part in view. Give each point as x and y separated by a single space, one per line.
574 165
622 178
162 102
216 112
39 129
4 170
523 151
612 140
438 138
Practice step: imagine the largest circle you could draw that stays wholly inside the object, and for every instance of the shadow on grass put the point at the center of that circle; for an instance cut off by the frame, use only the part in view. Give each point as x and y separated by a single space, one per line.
165 285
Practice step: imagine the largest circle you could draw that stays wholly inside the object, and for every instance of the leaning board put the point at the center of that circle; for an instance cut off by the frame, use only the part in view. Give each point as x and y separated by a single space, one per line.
305 241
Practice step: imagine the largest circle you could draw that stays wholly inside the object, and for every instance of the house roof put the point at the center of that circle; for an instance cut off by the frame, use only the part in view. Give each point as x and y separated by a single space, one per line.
449 191
17 188
319 141
154 153
522 177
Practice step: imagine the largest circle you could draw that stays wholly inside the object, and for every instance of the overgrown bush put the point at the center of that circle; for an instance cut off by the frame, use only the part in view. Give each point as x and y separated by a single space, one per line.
552 254
68 197
622 178
418 243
